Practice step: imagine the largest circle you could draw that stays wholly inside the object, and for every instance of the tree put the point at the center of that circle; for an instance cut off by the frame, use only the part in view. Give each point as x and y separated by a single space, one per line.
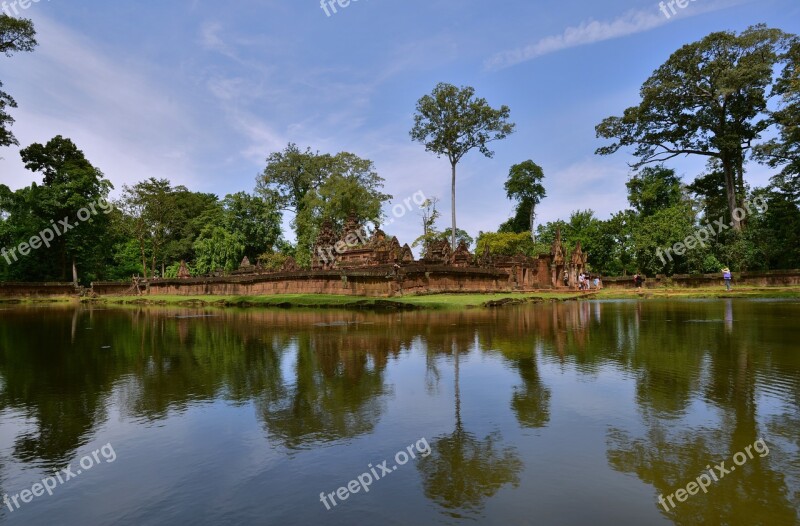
508 244
709 98
451 121
316 187
653 189
784 151
70 183
16 35
429 217
150 205
257 220
524 185
218 249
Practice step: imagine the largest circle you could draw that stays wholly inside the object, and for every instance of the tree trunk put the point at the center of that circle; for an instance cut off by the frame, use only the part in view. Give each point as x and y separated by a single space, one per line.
453 197
144 259
730 189
74 273
533 220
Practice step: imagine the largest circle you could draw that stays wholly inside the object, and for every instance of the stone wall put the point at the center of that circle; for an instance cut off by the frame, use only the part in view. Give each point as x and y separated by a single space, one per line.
379 281
37 290
775 278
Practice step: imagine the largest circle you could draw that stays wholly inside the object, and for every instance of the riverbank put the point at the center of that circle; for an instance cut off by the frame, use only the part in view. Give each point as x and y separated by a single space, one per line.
700 293
431 301
323 301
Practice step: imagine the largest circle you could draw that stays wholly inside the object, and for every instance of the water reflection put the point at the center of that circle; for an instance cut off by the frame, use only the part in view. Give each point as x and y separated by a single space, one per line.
706 380
463 470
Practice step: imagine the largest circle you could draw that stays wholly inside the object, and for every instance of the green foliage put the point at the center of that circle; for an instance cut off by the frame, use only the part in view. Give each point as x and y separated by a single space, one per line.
70 185
709 98
653 189
319 187
272 260
451 121
172 271
509 244
784 151
524 185
16 34
218 249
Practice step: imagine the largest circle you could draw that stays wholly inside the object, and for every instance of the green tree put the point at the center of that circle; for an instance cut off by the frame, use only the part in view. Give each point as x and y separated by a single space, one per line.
70 184
451 121
315 187
508 244
784 151
16 34
429 231
709 98
653 189
524 185
151 206
218 249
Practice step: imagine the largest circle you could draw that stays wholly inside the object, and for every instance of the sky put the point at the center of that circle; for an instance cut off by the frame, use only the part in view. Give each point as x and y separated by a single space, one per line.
201 92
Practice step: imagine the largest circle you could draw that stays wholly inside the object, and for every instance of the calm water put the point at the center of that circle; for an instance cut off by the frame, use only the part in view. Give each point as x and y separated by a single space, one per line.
575 413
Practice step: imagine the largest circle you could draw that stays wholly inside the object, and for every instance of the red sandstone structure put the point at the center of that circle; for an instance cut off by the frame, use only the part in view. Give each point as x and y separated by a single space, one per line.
353 261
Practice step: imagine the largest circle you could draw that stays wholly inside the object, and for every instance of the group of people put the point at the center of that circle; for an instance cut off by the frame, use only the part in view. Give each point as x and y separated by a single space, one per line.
585 281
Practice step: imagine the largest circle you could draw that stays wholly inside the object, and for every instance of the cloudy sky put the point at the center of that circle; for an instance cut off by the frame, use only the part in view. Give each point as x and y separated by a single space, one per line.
200 92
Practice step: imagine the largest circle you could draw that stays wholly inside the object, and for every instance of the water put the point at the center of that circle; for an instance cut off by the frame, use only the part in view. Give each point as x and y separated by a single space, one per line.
573 413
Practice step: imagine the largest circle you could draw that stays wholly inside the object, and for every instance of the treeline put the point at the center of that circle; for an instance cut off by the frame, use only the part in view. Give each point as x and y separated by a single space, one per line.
733 99
154 225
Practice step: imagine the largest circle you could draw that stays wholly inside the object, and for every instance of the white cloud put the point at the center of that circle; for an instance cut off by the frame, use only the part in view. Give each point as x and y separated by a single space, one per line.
593 31
128 125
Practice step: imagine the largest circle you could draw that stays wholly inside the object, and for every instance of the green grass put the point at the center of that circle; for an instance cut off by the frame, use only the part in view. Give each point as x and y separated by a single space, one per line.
699 293
433 301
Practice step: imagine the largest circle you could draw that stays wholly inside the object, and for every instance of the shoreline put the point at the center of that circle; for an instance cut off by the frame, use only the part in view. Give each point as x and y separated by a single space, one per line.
429 301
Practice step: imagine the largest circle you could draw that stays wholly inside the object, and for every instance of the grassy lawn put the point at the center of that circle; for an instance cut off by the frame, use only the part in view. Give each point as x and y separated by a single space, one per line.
433 301
707 292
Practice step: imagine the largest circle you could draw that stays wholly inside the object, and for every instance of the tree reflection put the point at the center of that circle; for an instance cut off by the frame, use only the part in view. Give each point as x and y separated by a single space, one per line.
463 470
336 393
671 453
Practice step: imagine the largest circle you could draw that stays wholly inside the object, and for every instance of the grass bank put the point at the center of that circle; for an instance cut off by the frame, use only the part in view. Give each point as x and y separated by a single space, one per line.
432 301
701 293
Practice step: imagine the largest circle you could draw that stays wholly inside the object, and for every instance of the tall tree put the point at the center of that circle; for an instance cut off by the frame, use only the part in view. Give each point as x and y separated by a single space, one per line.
429 216
784 151
709 98
151 206
653 189
451 121
16 34
524 185
315 187
70 184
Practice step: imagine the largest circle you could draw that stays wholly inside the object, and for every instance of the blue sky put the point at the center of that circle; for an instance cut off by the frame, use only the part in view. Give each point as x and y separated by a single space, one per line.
201 92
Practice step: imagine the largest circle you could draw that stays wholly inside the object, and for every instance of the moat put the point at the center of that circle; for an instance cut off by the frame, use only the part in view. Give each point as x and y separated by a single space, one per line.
556 413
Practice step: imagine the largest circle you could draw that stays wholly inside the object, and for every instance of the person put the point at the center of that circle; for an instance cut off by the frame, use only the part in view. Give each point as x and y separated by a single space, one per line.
638 280
581 281
727 276
566 278
596 283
